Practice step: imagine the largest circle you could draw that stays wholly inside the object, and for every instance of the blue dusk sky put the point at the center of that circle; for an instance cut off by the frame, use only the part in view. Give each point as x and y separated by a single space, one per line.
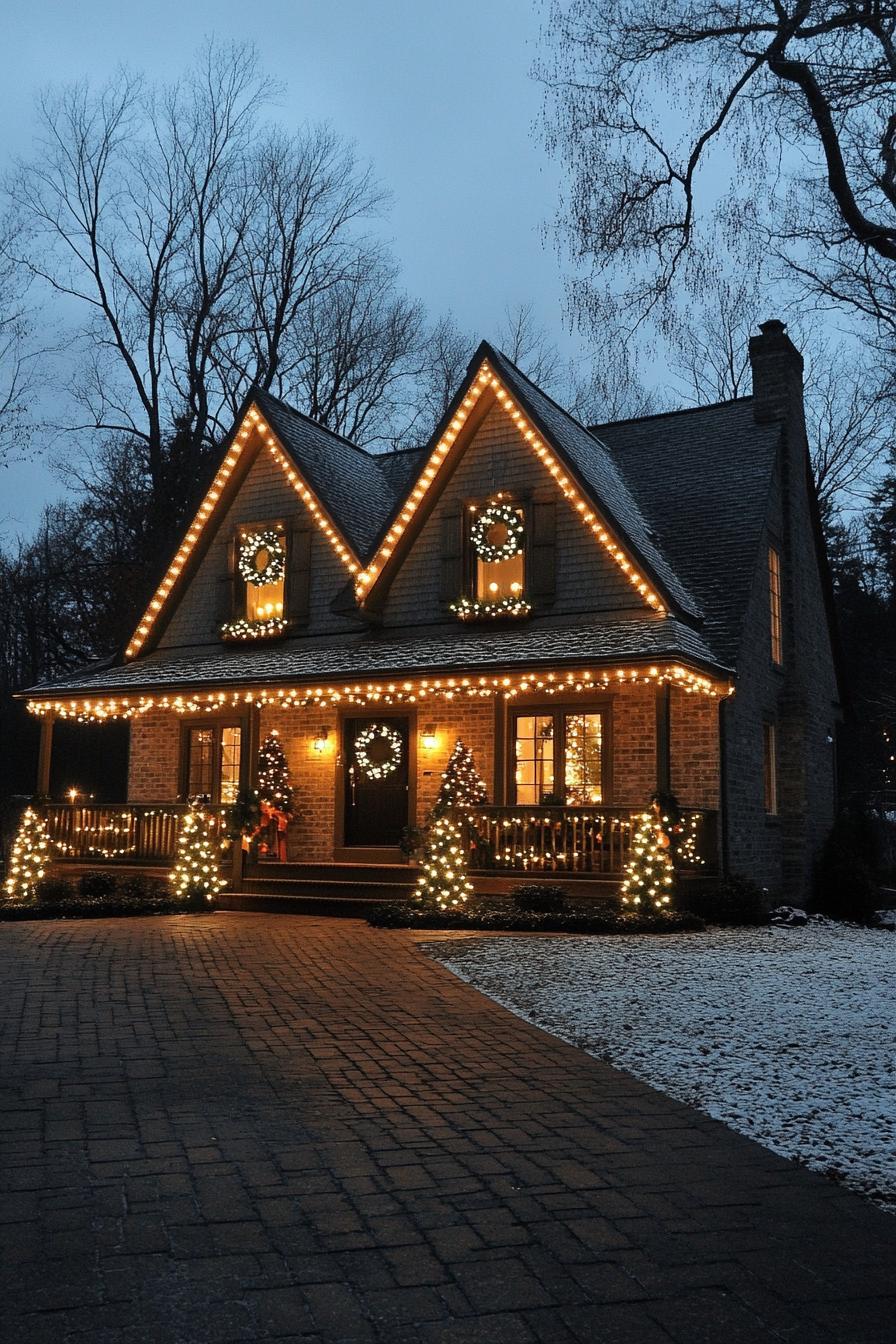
438 96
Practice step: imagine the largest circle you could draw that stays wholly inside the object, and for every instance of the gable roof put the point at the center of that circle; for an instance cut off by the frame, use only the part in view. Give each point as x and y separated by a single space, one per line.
355 486
599 472
582 467
702 479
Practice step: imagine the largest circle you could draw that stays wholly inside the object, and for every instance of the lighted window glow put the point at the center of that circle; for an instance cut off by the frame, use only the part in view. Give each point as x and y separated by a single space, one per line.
770 769
774 602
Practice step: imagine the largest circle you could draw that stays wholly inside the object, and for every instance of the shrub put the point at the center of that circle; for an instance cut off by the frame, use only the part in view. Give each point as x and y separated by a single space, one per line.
845 883
140 887
534 898
96 885
51 890
732 900
498 917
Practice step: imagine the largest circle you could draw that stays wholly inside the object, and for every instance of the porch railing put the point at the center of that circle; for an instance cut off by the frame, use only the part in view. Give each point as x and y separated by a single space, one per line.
119 832
585 840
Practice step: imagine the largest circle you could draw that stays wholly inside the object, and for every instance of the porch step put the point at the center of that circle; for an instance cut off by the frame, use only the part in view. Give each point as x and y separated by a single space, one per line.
385 874
355 901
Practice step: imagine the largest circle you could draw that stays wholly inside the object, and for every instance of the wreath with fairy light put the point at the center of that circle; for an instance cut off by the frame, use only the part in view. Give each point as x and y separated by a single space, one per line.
262 558
387 740
504 520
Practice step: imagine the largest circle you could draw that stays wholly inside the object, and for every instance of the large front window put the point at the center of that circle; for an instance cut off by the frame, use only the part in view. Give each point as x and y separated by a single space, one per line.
212 765
559 757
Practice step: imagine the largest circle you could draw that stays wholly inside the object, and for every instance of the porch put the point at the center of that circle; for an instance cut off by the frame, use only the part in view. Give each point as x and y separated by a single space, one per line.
586 848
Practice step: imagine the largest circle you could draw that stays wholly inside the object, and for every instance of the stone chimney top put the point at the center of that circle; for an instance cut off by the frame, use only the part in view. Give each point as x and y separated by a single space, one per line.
777 373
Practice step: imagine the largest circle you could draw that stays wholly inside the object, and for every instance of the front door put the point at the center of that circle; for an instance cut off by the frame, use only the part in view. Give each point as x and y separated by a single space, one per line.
376 781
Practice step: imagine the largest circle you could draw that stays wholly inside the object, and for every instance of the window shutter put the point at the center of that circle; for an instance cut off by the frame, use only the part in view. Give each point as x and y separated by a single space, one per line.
298 579
452 555
235 583
543 552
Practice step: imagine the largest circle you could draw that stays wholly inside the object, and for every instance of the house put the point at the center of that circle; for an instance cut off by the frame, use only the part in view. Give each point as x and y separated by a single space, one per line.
597 613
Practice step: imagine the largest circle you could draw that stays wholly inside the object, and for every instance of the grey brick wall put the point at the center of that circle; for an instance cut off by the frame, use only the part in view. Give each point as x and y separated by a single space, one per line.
801 698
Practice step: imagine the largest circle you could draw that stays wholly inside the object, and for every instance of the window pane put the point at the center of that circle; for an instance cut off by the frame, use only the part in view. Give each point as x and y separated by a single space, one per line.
264 602
774 598
770 769
582 768
534 758
231 743
200 773
500 578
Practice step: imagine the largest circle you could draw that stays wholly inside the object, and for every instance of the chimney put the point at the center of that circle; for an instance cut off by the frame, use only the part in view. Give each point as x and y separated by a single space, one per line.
777 374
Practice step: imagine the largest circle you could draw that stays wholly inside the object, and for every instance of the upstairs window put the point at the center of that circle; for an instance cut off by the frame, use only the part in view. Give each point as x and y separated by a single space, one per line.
258 580
495 544
774 604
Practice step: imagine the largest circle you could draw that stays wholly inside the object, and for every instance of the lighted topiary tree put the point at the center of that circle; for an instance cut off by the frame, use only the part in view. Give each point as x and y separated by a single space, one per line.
443 880
649 873
29 858
195 876
462 783
274 787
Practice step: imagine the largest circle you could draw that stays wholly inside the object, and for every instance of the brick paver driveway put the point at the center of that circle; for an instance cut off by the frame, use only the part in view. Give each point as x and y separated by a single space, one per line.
253 1127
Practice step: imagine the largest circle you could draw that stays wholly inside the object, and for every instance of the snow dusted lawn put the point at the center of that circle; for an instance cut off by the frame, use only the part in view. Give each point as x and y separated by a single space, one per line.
788 1035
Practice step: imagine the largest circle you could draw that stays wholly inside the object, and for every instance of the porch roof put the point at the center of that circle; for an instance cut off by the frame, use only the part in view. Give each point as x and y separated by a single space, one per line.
434 649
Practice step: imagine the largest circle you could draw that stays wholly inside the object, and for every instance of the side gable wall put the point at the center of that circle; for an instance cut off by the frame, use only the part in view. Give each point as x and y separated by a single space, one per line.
264 495
801 699
498 458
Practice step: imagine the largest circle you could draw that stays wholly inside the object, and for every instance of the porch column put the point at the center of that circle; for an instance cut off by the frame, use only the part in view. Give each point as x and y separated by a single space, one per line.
44 755
663 735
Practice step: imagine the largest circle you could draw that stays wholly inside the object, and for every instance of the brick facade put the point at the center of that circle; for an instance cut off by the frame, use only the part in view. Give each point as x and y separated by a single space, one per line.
155 767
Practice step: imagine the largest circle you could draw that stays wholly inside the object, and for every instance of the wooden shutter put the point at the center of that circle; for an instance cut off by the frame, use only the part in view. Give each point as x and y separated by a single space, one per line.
452 555
543 552
236 584
298 576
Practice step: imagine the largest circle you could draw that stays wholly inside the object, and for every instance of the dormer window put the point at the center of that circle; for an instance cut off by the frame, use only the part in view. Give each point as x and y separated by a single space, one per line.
258 577
495 545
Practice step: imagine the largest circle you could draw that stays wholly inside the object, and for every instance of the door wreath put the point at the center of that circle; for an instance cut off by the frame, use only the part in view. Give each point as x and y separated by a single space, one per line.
388 756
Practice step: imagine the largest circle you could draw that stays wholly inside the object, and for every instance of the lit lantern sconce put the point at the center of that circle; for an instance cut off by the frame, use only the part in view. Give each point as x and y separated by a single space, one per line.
73 795
320 740
429 738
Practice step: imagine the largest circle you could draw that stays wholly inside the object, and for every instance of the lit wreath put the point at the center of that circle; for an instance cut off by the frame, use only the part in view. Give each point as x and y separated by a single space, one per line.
504 515
378 769
250 548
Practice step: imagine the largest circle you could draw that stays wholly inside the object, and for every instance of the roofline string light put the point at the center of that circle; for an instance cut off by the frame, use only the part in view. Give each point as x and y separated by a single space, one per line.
386 693
252 420
484 379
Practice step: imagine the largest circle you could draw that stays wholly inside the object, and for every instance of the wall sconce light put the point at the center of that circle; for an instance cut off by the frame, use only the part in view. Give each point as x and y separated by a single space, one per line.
320 740
428 737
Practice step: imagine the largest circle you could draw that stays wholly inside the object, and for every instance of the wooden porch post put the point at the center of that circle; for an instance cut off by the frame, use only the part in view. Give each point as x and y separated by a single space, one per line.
663 736
45 754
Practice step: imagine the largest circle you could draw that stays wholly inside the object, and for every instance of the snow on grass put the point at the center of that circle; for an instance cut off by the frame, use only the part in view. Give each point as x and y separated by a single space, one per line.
788 1035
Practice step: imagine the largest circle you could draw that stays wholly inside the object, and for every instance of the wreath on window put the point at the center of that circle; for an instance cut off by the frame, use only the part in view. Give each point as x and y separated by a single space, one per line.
385 744
497 533
262 558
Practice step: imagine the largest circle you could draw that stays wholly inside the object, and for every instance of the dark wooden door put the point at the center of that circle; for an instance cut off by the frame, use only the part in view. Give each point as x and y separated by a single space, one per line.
376 781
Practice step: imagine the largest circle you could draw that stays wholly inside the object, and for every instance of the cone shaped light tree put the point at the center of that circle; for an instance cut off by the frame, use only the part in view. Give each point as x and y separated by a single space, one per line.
649 873
274 787
462 783
196 876
443 880
29 858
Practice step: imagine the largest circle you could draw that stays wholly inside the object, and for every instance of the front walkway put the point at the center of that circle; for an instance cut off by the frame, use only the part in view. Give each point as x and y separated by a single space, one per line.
253 1127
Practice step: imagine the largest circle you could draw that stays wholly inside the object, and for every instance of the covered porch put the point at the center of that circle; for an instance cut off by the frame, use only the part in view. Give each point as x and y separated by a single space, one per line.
569 760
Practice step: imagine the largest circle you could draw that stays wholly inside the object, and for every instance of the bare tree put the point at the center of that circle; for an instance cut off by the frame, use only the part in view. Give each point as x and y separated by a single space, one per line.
763 129
19 357
192 241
